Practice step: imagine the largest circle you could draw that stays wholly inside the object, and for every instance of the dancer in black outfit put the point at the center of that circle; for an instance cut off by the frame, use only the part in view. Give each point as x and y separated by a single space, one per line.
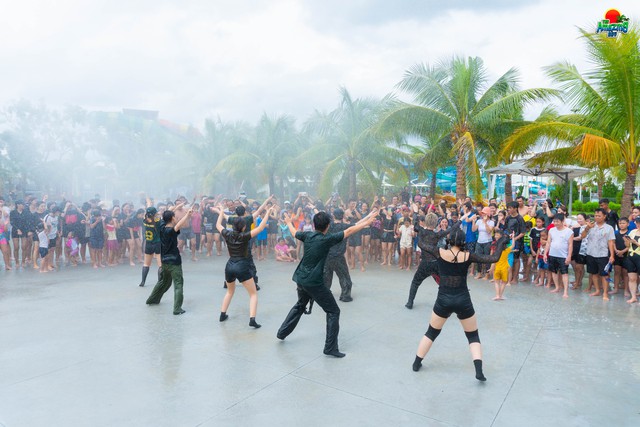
427 241
453 297
336 261
239 264
308 276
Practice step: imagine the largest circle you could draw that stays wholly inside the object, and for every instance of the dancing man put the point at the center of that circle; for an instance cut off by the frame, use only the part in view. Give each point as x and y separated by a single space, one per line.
309 276
336 261
171 268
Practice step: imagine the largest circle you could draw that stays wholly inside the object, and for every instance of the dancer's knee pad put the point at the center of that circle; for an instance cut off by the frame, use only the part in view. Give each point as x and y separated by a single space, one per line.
473 336
432 333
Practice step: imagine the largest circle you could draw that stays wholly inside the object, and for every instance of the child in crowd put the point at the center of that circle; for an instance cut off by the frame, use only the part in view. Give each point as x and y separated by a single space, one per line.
71 249
112 241
542 266
282 251
525 256
534 238
501 272
96 239
405 233
43 247
261 241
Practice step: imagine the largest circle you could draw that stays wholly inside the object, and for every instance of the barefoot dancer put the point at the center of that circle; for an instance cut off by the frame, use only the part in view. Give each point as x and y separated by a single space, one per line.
453 297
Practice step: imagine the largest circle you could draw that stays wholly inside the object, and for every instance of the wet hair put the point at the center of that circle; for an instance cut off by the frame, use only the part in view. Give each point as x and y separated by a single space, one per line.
604 201
457 237
239 224
559 217
321 221
512 205
240 210
168 215
338 214
431 220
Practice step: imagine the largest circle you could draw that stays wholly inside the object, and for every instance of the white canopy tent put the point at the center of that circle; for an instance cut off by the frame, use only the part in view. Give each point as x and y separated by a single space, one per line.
565 173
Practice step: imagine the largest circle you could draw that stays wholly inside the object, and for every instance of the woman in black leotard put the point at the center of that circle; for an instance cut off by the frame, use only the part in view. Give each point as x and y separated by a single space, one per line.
453 296
239 265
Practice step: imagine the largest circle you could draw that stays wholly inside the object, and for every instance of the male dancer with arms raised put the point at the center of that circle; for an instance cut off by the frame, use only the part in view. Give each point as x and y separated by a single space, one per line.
309 275
171 269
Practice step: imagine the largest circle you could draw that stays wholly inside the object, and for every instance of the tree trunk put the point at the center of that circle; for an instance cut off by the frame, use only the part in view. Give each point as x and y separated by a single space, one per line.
353 190
434 182
508 189
272 185
600 186
461 177
628 193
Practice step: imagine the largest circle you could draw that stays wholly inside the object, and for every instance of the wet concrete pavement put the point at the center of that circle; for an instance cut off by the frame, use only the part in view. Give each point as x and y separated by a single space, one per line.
80 347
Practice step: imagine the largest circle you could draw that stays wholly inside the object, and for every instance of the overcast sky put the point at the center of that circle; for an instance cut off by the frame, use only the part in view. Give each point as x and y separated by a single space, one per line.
238 58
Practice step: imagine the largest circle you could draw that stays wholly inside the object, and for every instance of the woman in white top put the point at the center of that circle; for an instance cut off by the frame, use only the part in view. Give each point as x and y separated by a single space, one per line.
484 227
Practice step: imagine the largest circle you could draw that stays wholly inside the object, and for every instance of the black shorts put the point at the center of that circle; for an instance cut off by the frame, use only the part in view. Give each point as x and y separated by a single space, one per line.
43 252
596 265
186 234
619 260
355 240
96 243
15 235
517 248
375 233
579 259
152 248
238 269
388 237
632 263
557 265
454 300
52 242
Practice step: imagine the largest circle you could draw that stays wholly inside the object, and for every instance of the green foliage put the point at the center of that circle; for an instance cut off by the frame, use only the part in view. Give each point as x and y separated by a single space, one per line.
590 207
561 191
455 102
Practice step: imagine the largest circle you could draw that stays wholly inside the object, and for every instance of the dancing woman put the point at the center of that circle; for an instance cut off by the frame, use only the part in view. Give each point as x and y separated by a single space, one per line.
453 297
239 265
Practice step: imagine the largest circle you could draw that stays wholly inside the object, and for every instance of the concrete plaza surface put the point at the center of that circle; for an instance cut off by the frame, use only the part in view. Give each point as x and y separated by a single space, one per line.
80 348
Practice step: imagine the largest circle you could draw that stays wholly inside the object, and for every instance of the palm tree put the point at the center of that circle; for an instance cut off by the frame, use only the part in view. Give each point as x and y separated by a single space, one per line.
455 102
430 157
355 155
220 140
266 155
603 129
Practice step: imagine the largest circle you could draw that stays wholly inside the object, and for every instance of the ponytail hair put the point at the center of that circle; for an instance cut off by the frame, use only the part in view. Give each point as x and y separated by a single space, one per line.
457 237
239 224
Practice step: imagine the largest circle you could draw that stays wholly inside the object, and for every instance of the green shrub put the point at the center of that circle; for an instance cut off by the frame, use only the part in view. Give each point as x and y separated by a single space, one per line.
590 207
